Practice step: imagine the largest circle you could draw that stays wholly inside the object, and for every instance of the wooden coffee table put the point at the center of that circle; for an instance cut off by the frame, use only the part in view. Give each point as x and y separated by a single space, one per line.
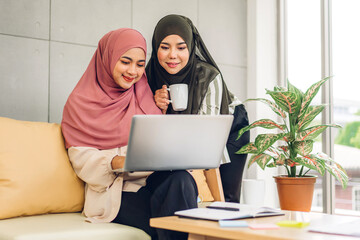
210 230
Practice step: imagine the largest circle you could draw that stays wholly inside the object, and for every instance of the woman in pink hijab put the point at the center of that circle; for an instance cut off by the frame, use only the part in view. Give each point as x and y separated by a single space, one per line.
96 124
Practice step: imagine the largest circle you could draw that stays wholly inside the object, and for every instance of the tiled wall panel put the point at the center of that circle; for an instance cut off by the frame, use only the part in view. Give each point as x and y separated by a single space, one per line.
235 78
223 27
86 21
35 83
24 78
67 64
25 18
147 13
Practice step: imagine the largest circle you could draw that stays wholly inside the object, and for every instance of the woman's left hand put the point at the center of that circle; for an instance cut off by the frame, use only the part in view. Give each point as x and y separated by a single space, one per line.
162 98
117 162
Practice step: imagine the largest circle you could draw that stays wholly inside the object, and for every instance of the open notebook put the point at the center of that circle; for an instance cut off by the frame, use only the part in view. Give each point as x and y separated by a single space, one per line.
228 211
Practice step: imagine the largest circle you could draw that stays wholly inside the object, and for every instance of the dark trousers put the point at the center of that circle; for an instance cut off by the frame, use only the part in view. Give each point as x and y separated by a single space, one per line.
165 192
231 173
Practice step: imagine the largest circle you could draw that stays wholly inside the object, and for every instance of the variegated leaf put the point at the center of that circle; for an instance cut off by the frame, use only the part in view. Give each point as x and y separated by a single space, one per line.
312 162
281 160
306 118
271 165
288 101
284 148
291 163
334 168
310 94
288 138
248 148
303 147
339 173
264 141
264 123
312 132
280 89
271 104
273 152
292 88
260 159
298 93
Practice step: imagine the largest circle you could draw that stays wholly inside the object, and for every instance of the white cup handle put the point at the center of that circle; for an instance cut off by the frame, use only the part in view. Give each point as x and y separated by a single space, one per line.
169 91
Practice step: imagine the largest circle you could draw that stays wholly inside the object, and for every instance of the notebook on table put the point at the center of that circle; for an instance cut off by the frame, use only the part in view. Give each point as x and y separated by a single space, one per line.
217 211
176 142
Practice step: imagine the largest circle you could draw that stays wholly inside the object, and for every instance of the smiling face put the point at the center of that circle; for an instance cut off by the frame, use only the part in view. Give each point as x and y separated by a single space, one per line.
129 68
173 54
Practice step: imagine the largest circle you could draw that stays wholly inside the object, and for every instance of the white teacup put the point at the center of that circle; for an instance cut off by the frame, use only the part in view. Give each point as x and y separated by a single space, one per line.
178 96
253 191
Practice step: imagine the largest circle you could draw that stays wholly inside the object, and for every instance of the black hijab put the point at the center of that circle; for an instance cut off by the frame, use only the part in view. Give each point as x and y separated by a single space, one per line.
200 70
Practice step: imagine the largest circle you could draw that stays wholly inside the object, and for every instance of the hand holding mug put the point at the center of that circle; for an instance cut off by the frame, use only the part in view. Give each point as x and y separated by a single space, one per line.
162 98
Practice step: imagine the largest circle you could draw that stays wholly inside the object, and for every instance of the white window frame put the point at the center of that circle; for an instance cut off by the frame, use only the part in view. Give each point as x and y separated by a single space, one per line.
328 192
355 202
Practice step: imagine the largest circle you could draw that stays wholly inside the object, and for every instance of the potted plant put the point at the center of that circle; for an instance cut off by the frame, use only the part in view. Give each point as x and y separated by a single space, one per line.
291 146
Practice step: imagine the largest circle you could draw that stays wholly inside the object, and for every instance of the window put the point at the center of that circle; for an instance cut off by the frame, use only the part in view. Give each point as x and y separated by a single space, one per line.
311 57
346 50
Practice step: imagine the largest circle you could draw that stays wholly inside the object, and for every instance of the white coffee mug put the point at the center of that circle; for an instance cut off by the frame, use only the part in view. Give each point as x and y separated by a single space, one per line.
178 96
253 191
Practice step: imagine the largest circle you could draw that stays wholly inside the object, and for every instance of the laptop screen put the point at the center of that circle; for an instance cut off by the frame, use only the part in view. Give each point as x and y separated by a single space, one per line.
174 142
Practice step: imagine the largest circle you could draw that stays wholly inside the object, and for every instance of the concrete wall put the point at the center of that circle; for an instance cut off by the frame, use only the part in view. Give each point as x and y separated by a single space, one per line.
46 45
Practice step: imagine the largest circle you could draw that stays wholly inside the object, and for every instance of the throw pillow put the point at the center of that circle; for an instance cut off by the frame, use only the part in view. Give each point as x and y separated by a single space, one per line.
36 175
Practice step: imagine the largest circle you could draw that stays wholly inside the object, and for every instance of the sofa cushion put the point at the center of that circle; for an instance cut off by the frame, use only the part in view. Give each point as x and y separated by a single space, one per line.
36 176
63 226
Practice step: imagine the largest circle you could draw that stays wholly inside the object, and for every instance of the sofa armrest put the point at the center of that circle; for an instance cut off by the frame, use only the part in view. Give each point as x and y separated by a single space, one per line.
213 180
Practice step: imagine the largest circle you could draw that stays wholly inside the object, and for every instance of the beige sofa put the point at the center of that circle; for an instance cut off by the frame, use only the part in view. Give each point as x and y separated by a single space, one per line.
40 195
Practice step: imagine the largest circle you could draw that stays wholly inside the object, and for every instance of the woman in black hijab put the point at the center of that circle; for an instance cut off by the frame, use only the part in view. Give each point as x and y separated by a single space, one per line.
179 55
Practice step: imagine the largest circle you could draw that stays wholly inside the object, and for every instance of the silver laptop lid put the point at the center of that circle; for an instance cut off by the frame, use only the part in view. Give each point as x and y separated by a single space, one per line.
174 142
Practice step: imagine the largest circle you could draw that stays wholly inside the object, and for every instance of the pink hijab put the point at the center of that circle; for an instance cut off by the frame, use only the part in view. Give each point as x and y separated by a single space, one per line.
98 112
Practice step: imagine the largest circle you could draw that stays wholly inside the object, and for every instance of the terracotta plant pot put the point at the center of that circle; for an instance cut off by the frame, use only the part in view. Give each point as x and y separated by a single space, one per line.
295 193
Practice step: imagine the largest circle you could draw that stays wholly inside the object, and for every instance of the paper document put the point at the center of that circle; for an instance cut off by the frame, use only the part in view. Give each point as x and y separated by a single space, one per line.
228 211
347 229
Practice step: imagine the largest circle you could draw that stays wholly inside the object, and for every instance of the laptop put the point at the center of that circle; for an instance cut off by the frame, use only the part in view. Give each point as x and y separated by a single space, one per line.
176 142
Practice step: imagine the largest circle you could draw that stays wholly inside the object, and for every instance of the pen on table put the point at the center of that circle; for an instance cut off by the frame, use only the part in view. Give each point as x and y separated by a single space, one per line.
224 208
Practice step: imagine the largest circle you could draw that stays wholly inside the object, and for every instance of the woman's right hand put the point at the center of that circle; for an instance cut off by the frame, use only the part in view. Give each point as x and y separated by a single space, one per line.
162 98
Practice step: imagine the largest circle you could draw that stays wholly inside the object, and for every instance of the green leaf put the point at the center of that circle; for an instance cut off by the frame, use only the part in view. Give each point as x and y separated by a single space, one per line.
312 162
264 123
281 160
298 93
334 168
288 138
248 148
310 94
264 141
312 132
340 175
284 148
280 89
303 148
272 152
271 104
291 163
260 159
292 88
271 165
288 101
306 117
